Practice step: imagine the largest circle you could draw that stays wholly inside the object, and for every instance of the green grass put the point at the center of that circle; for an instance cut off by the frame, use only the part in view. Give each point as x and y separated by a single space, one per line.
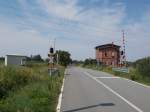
29 89
145 80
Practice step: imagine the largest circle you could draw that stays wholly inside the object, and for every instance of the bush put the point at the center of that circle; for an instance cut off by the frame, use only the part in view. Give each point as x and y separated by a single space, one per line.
29 89
143 66
40 96
12 78
133 77
90 62
32 98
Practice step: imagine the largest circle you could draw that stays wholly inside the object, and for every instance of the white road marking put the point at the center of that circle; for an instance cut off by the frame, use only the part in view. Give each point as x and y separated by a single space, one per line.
114 92
107 77
60 96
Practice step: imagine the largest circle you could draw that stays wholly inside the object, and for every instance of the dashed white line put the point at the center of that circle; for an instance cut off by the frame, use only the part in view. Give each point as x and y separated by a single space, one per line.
114 92
107 77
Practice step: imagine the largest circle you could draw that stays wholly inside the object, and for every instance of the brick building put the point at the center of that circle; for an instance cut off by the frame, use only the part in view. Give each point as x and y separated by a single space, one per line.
108 54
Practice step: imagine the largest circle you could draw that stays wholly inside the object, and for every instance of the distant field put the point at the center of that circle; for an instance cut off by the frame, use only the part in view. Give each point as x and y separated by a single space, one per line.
29 89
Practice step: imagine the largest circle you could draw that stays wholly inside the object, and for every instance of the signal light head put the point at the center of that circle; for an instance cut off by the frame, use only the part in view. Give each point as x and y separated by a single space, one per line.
51 50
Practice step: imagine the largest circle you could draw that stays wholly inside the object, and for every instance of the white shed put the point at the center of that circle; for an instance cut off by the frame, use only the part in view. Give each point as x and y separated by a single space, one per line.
15 60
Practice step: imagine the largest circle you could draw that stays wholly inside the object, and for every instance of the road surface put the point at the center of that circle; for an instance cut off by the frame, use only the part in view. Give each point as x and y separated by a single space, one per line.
88 90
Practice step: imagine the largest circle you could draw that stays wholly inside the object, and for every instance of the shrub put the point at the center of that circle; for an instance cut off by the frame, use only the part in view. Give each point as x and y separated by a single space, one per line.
38 96
12 78
32 98
143 66
90 62
133 77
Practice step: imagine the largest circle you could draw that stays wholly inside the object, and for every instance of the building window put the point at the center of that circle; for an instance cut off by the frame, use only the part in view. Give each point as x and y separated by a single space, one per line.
112 54
105 54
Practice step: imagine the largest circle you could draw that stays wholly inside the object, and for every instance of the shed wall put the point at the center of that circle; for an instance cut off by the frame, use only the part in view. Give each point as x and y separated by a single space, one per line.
13 60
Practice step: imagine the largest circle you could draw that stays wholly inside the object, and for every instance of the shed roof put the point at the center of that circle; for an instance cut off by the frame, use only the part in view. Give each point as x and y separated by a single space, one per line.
16 55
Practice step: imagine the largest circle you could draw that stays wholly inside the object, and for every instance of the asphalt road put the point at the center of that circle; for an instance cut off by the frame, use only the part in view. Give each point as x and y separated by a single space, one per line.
88 90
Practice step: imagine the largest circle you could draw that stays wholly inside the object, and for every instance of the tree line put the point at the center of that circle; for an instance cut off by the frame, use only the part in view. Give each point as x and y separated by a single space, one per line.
64 58
142 66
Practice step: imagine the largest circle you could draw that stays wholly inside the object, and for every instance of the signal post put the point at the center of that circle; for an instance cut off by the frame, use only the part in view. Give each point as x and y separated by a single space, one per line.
51 63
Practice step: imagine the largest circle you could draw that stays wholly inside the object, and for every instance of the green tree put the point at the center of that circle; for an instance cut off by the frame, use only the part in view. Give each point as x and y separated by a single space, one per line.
90 62
64 57
143 66
37 58
2 58
77 62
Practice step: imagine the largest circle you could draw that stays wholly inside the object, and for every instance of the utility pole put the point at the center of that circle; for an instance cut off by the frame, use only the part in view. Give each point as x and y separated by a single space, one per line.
54 44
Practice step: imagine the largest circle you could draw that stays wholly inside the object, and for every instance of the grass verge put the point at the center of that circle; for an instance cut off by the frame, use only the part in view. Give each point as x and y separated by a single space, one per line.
29 89
132 75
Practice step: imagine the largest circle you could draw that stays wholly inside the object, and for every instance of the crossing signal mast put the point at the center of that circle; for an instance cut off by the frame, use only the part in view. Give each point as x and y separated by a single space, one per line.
51 57
123 52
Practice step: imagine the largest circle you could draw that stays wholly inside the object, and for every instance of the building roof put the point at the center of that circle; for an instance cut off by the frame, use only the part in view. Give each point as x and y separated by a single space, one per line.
107 46
16 55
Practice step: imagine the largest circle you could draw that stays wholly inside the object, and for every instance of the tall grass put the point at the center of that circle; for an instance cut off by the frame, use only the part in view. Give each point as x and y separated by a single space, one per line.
1 63
29 89
11 78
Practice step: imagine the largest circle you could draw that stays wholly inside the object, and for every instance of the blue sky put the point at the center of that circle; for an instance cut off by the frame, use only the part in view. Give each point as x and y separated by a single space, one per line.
29 26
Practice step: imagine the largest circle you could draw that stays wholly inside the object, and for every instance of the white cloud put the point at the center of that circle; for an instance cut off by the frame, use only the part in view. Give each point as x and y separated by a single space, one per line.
75 30
138 38
66 9
13 41
87 28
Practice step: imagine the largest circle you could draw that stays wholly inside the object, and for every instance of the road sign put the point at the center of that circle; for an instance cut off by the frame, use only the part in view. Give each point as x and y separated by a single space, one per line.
124 70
